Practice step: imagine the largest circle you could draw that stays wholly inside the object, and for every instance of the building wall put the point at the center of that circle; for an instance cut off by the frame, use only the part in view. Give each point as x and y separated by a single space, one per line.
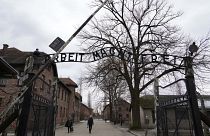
72 102
63 108
181 115
41 87
43 84
106 113
123 111
8 92
77 109
147 118
85 112
70 105
67 105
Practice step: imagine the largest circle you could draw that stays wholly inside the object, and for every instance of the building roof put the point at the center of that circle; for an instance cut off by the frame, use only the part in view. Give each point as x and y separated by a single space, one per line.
78 96
120 101
16 57
106 106
147 102
64 85
68 82
86 106
5 68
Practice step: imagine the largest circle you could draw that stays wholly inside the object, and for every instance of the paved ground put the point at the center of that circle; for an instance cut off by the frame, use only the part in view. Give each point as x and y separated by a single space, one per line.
100 128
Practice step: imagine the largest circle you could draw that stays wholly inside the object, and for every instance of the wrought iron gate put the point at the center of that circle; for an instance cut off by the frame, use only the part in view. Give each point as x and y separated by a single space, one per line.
181 111
41 112
173 117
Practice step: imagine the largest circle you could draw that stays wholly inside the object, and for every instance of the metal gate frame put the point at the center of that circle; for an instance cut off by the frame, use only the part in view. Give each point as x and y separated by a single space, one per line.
37 114
189 100
164 126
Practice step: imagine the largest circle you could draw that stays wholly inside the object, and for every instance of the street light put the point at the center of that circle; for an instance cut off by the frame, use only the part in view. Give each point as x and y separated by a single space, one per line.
191 91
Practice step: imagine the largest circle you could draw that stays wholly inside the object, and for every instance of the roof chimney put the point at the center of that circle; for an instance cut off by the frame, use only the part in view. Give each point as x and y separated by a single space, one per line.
5 46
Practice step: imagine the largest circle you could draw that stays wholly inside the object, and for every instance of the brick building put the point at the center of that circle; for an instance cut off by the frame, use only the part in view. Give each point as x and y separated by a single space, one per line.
7 75
67 100
17 59
120 111
85 112
13 62
78 100
63 99
42 89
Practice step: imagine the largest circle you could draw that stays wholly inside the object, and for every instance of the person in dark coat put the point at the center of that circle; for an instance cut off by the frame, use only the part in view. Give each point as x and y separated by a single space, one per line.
90 123
69 125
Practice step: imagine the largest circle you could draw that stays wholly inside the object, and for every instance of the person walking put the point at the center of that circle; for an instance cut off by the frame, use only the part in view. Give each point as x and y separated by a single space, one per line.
90 123
69 125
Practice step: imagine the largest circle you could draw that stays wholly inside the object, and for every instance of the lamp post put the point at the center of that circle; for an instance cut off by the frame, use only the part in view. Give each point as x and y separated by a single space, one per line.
191 91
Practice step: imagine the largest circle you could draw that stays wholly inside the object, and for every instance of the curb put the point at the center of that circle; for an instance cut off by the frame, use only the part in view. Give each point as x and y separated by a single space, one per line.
132 133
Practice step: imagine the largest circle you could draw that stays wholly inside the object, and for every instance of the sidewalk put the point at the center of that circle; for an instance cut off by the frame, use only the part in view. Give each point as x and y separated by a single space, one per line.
150 132
142 132
100 128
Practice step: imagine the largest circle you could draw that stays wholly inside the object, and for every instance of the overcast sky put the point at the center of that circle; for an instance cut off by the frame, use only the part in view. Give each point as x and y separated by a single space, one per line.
31 24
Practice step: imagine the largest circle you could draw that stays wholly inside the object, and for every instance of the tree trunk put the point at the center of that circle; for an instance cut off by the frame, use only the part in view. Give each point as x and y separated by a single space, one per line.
110 109
136 124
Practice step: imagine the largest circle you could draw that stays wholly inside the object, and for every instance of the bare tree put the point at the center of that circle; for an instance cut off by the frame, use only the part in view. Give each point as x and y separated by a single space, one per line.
139 27
109 81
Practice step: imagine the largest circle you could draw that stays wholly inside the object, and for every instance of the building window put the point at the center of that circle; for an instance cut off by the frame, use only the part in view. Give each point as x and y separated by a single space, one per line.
58 92
43 82
62 94
1 101
66 95
127 115
120 115
3 82
48 90
146 119
60 111
49 68
35 85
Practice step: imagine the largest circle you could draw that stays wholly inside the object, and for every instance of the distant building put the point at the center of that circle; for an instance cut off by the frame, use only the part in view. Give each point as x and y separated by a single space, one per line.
78 100
64 108
106 112
85 112
71 104
147 113
120 111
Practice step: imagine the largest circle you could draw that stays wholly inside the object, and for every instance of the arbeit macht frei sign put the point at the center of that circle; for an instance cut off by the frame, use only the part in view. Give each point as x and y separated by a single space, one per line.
122 54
